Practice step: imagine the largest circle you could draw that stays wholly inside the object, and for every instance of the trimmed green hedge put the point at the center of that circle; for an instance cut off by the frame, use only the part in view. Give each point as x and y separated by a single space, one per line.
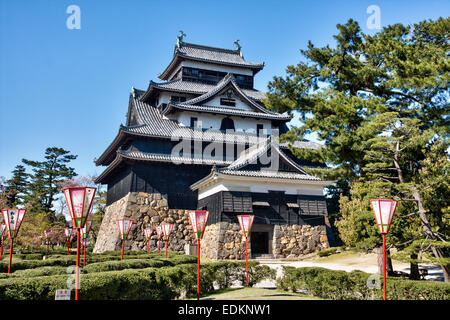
341 285
162 282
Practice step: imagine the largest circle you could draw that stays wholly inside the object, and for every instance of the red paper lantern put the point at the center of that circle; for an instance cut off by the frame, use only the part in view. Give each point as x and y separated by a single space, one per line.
124 229
159 234
383 210
84 233
198 220
79 201
13 220
148 234
246 222
68 232
166 230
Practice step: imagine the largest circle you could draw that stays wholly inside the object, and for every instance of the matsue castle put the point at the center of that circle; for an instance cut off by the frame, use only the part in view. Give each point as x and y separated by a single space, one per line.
201 138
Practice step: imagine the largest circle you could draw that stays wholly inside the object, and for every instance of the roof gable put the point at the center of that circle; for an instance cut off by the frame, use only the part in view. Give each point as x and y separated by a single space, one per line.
228 83
265 156
220 56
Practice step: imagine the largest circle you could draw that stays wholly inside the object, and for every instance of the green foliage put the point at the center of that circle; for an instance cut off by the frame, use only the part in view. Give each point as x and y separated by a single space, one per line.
380 105
341 285
327 252
138 276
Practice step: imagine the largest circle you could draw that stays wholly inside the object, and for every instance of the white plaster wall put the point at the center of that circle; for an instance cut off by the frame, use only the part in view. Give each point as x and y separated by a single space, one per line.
210 121
241 105
262 187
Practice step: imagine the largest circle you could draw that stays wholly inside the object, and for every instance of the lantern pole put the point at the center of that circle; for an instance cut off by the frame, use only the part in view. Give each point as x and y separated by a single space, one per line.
77 276
167 238
246 262
1 248
158 245
10 255
123 246
148 245
198 269
84 258
384 266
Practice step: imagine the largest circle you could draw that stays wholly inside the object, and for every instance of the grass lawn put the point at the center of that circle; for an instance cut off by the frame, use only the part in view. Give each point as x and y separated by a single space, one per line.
256 294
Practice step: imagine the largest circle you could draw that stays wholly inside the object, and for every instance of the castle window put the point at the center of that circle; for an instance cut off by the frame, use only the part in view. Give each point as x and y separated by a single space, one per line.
259 130
227 102
193 122
177 99
227 124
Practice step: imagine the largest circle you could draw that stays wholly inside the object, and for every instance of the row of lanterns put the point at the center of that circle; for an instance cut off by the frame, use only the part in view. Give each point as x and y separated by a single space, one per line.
79 201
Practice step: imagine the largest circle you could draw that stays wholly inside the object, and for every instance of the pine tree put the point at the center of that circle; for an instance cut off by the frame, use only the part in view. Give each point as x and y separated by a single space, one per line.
17 186
45 177
380 104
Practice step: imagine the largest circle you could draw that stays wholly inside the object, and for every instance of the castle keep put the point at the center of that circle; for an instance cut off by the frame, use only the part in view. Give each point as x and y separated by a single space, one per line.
202 139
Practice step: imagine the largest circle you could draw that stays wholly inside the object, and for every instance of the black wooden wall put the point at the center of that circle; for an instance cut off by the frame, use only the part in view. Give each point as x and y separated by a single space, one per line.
225 206
158 177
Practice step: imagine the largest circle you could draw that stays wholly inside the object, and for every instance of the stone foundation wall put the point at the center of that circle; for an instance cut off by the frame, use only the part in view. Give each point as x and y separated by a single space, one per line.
221 240
147 210
297 240
224 240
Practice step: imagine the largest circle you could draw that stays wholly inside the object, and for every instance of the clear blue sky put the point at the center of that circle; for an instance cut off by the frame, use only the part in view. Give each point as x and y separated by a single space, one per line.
69 88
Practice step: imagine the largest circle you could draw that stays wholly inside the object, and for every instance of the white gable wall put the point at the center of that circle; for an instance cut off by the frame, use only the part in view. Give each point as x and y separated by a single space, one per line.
241 105
261 187
213 121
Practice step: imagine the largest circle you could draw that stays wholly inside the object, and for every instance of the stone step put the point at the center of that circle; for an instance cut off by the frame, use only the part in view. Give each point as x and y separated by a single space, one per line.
262 256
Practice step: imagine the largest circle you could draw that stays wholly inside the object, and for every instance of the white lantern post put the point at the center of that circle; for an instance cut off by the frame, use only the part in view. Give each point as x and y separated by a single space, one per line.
13 220
148 234
198 220
68 232
159 234
167 230
124 229
79 201
84 234
384 210
246 222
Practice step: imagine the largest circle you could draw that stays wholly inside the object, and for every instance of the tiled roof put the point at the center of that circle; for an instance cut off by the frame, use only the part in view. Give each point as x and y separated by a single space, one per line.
198 88
208 54
251 154
151 123
229 111
139 155
229 81
146 156
269 174
212 54
302 144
